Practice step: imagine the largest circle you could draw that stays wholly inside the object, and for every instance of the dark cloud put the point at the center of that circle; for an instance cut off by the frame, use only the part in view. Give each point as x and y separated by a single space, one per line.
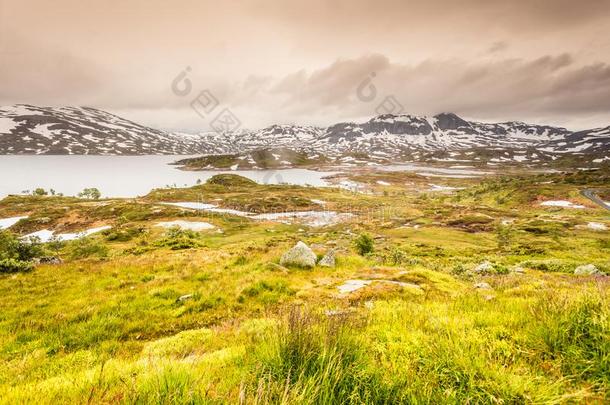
301 61
509 88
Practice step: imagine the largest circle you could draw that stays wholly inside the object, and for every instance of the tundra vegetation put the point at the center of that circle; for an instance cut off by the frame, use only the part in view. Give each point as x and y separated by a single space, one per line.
464 296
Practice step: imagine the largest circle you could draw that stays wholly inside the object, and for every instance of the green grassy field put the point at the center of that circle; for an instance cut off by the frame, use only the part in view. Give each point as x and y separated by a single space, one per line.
142 314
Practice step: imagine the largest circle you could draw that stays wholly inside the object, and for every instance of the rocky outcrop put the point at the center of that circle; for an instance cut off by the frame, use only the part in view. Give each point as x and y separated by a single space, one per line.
329 259
588 270
300 255
484 268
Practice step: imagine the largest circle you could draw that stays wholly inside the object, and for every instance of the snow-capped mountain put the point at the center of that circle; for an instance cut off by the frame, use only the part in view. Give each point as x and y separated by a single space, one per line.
26 129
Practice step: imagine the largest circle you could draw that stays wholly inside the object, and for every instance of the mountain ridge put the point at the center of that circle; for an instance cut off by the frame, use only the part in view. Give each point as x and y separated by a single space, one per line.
27 129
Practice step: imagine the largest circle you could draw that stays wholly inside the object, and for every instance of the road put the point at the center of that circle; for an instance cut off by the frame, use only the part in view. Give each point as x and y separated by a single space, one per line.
590 194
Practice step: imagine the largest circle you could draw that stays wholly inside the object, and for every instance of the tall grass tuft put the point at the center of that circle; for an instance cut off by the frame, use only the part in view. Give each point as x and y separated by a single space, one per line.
315 358
576 333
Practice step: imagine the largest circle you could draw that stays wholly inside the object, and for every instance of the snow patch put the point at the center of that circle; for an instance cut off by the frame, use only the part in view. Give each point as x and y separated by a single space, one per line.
561 203
7 125
8 222
46 235
311 218
597 226
190 225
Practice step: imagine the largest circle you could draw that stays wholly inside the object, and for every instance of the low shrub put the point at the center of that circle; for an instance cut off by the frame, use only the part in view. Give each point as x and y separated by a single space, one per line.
15 266
178 239
123 234
86 248
553 266
17 252
364 244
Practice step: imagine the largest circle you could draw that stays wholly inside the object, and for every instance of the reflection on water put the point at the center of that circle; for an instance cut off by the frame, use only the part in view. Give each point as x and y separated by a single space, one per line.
122 176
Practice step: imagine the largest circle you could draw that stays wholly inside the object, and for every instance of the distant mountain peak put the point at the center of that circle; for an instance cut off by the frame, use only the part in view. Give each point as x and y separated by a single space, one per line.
450 121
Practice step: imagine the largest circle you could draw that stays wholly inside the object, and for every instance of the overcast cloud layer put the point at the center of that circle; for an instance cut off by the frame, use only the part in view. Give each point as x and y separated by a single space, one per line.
302 62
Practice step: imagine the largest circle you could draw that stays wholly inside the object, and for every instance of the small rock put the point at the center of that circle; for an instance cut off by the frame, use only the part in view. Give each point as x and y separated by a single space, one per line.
300 256
485 267
276 267
588 270
353 285
185 297
482 286
517 269
48 260
328 260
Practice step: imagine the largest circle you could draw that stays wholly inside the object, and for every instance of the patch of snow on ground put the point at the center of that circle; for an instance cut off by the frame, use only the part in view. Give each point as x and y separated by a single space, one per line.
453 176
209 208
8 222
594 160
191 225
436 187
596 226
351 186
561 203
43 130
311 218
46 235
7 124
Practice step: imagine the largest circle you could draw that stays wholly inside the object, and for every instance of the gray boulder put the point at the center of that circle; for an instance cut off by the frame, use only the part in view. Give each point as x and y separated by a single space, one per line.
48 260
484 268
299 256
482 286
517 269
329 259
588 270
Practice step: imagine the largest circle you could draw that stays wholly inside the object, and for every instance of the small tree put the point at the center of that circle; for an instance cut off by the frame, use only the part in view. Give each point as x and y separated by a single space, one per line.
364 244
91 193
39 191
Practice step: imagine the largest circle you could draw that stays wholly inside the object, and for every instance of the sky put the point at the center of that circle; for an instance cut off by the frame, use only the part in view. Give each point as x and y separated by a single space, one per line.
310 62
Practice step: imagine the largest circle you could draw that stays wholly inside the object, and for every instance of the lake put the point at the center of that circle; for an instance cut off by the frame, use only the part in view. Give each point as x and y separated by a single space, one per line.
123 176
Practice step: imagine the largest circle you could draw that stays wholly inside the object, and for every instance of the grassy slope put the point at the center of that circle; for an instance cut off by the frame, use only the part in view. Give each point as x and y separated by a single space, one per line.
108 324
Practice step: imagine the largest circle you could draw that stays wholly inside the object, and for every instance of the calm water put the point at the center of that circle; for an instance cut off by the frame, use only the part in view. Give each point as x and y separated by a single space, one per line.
122 176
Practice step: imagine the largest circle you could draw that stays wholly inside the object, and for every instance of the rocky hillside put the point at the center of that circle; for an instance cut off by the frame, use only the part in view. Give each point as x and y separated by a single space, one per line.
26 129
